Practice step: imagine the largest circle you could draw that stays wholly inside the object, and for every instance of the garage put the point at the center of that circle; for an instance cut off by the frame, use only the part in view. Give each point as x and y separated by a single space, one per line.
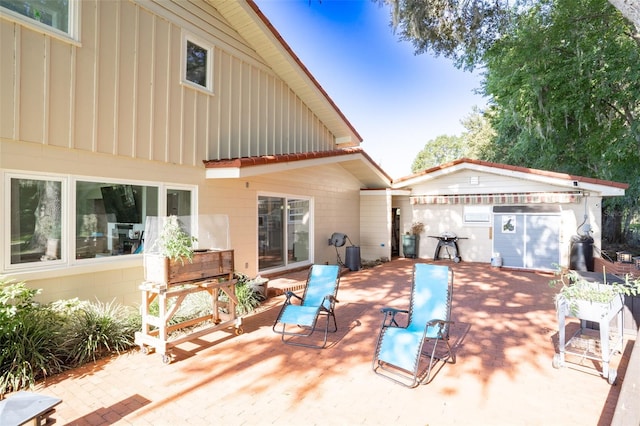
527 236
526 215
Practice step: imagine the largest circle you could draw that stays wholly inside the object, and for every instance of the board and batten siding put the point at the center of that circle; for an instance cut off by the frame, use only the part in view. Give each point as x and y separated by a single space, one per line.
119 92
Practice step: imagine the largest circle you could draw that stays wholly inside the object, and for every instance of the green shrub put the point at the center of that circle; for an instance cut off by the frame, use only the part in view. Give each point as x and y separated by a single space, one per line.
29 338
94 330
193 305
248 297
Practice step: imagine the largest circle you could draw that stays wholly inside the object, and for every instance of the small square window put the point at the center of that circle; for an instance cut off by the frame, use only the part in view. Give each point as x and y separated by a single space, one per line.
198 58
196 64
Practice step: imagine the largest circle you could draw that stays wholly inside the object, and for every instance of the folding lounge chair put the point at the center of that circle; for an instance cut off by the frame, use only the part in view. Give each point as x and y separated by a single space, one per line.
399 348
319 298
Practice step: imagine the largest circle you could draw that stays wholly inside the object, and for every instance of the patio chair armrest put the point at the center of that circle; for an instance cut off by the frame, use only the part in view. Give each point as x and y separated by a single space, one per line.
289 295
439 323
331 298
331 305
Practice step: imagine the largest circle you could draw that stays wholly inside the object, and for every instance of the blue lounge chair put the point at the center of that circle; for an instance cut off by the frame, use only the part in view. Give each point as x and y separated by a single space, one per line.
319 299
400 348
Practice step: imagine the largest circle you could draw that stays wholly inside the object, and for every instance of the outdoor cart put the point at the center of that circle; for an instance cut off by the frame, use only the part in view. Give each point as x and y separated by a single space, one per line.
215 269
589 344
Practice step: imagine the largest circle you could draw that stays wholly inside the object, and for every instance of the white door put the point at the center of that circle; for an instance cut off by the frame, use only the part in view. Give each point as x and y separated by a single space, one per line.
529 241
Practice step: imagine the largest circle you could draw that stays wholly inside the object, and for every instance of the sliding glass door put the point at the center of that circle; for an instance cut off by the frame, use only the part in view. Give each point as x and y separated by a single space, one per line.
283 231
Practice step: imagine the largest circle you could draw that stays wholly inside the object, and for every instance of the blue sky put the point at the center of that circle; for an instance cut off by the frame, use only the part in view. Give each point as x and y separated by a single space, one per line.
396 100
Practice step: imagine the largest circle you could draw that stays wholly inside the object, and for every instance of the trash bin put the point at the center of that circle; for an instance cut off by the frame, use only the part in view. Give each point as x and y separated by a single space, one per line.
581 256
352 260
410 245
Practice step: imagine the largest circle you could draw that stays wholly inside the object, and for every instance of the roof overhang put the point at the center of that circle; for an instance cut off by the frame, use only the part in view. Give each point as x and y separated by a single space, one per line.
583 184
353 160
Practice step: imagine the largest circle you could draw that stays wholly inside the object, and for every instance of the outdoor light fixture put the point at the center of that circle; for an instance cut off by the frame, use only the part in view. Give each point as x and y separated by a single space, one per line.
624 256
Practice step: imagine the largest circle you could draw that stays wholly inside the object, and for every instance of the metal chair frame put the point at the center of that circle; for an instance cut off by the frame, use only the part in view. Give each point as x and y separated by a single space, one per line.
313 304
426 278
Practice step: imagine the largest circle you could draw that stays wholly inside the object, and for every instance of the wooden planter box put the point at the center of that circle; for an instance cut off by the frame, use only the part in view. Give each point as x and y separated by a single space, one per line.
160 269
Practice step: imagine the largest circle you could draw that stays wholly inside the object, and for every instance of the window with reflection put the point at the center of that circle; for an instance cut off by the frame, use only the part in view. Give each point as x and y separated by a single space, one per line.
36 220
58 220
52 13
283 231
110 218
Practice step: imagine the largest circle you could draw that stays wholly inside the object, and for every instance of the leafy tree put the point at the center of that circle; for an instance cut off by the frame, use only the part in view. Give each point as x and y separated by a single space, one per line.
565 82
442 149
479 135
463 31
477 139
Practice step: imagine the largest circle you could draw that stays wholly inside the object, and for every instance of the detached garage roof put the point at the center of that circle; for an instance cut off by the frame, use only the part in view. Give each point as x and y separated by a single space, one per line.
572 183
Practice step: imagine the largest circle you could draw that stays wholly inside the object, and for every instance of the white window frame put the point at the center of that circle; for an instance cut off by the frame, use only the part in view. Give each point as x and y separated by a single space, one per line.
186 37
194 203
68 218
287 197
71 36
64 219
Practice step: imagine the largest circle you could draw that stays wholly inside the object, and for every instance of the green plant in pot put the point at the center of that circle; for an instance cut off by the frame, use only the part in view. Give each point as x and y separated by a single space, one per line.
174 242
581 295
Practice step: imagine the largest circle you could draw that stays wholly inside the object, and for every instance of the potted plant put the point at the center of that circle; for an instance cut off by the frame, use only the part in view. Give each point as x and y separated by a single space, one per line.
411 240
173 259
174 243
591 300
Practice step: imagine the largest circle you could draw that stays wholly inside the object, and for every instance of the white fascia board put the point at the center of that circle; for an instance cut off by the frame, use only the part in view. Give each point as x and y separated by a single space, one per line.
223 173
240 172
603 190
392 192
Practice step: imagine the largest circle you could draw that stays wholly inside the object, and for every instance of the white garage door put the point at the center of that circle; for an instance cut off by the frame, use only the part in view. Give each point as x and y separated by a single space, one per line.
526 238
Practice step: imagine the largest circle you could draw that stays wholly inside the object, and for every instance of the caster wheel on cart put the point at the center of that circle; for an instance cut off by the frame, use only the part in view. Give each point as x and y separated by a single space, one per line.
166 359
556 361
239 331
145 350
456 259
613 375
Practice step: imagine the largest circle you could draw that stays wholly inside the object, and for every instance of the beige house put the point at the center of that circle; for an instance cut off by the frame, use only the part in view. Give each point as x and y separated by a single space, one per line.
113 112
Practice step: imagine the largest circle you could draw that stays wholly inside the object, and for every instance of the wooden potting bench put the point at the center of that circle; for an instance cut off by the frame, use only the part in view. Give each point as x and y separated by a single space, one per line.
210 271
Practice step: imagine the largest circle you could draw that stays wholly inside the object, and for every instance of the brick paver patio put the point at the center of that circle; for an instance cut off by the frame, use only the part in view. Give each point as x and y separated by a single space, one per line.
504 340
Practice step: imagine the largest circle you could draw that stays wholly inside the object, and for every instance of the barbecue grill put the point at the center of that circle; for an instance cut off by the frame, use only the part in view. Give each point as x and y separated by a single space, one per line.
449 241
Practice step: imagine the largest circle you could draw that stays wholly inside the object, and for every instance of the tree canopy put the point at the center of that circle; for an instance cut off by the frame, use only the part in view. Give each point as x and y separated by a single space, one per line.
474 141
565 86
463 31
